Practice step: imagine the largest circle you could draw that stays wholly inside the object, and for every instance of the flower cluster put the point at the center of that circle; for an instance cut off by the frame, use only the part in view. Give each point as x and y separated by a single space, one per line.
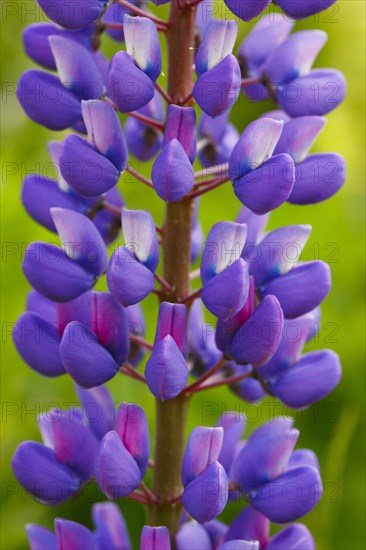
265 300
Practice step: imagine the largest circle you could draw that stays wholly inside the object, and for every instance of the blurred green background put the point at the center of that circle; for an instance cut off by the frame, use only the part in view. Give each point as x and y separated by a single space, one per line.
333 428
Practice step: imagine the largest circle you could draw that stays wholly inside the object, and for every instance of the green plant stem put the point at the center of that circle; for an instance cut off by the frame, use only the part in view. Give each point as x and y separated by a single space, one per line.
171 415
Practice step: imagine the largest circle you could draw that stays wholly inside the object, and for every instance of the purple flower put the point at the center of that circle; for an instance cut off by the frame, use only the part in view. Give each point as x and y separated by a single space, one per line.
219 137
62 274
262 471
144 141
93 167
132 74
166 369
318 176
110 532
155 538
52 472
130 274
262 182
221 263
72 15
247 10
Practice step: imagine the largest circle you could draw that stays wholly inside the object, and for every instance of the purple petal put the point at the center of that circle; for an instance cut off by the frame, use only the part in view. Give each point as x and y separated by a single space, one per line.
294 537
133 430
38 343
206 496
217 90
310 380
99 409
255 227
73 442
140 236
258 338
216 530
154 538
78 17
318 178
303 457
234 426
302 289
192 535
295 334
298 136
263 38
114 14
239 545
317 93
79 309
248 389
46 101
136 326
111 326
172 173
213 154
223 247
128 86
40 538
225 294
39 194
73 536
203 352
254 147
181 125
128 279
40 473
110 528
295 56
264 458
104 131
84 358
118 474
81 240
217 42
166 370
278 424
36 45
51 272
247 9
289 497
143 141
108 223
142 43
36 303
172 320
85 170
278 252
250 525
202 449
214 128
302 9
269 186
76 68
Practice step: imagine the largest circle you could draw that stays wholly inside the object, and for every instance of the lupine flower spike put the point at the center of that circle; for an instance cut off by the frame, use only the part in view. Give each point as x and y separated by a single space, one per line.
236 304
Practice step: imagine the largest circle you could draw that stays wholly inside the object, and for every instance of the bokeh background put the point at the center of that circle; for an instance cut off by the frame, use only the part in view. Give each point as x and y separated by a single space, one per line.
335 427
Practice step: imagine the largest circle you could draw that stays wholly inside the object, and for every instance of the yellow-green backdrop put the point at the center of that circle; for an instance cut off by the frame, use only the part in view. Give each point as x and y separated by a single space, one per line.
333 428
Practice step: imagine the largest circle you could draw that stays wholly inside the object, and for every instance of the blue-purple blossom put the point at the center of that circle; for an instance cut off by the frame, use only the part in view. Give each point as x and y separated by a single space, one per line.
263 299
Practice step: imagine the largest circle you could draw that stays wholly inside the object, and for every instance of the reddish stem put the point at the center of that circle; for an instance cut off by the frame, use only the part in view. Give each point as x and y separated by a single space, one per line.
206 375
147 120
207 188
142 13
190 297
223 382
164 94
139 176
141 342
